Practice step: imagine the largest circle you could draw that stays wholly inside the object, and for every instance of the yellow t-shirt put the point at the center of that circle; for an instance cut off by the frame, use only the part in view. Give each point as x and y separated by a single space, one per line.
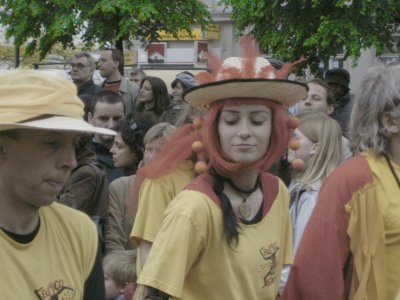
58 260
154 197
376 247
191 259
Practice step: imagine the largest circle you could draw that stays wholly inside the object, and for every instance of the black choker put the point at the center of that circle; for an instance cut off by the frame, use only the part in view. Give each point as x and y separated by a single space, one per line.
245 208
392 170
243 191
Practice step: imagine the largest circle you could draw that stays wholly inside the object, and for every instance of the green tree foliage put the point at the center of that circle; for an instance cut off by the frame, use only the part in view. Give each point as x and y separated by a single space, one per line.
43 23
317 29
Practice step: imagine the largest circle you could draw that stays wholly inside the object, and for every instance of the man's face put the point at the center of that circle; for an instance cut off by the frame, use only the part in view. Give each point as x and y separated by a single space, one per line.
316 100
136 79
81 71
338 90
35 166
107 65
106 115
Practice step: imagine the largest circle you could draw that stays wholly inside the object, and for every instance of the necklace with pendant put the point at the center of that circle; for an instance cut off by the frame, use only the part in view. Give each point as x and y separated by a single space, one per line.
392 170
244 207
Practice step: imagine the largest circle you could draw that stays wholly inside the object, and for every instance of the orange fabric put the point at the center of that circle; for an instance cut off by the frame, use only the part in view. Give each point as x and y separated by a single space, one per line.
317 272
113 86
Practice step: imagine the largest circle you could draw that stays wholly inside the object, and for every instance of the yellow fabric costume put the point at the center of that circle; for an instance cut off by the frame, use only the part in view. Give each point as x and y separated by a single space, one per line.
191 258
63 250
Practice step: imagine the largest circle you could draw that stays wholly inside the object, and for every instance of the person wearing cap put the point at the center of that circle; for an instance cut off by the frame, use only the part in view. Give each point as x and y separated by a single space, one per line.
182 82
47 249
228 233
350 248
339 80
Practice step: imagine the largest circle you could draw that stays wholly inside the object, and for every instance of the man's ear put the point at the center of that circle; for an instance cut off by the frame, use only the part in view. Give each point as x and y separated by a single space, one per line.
389 123
314 149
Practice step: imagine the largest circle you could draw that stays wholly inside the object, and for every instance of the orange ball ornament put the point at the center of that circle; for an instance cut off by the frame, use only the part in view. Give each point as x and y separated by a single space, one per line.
197 146
294 144
298 164
200 167
293 122
197 122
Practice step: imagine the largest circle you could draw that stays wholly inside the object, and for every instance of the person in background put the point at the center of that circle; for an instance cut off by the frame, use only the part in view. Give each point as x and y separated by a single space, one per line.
120 216
153 96
111 66
119 273
181 84
47 249
320 98
127 150
339 81
87 188
227 234
106 110
351 246
136 76
83 66
319 138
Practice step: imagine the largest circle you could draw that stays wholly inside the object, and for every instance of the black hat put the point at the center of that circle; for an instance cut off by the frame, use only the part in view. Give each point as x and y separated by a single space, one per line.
338 76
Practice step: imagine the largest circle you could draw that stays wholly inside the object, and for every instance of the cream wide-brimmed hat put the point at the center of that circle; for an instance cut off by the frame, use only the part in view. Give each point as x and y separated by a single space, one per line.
246 78
32 100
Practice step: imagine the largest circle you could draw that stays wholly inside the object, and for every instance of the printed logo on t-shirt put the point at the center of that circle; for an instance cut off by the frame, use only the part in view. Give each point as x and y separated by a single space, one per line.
268 269
55 290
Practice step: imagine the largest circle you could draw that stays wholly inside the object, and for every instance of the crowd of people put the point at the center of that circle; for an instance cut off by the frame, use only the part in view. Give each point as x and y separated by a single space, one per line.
240 184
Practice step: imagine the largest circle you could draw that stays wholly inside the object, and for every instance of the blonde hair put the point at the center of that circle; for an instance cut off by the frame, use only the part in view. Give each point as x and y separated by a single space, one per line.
120 266
157 131
321 129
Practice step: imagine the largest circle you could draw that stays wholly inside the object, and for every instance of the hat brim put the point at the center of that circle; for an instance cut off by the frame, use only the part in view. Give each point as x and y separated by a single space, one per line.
58 123
283 91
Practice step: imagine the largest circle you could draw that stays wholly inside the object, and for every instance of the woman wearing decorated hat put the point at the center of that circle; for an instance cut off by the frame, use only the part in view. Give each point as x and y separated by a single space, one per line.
228 234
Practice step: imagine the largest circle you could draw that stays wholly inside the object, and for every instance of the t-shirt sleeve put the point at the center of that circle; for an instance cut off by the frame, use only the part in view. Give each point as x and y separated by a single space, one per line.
176 248
154 198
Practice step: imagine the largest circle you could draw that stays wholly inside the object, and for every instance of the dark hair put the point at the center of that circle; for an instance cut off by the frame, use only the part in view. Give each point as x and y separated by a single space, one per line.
160 94
231 226
11 133
109 97
330 96
132 133
118 56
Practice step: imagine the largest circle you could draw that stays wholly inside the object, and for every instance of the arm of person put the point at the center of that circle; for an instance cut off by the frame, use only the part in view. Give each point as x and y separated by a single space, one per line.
116 236
318 270
94 284
178 245
79 190
144 249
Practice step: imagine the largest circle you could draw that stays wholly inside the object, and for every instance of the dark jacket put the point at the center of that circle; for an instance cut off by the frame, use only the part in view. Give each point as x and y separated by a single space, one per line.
87 190
105 160
89 88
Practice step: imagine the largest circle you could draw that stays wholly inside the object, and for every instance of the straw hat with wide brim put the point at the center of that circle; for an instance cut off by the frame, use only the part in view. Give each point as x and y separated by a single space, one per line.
232 81
33 100
283 91
58 123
